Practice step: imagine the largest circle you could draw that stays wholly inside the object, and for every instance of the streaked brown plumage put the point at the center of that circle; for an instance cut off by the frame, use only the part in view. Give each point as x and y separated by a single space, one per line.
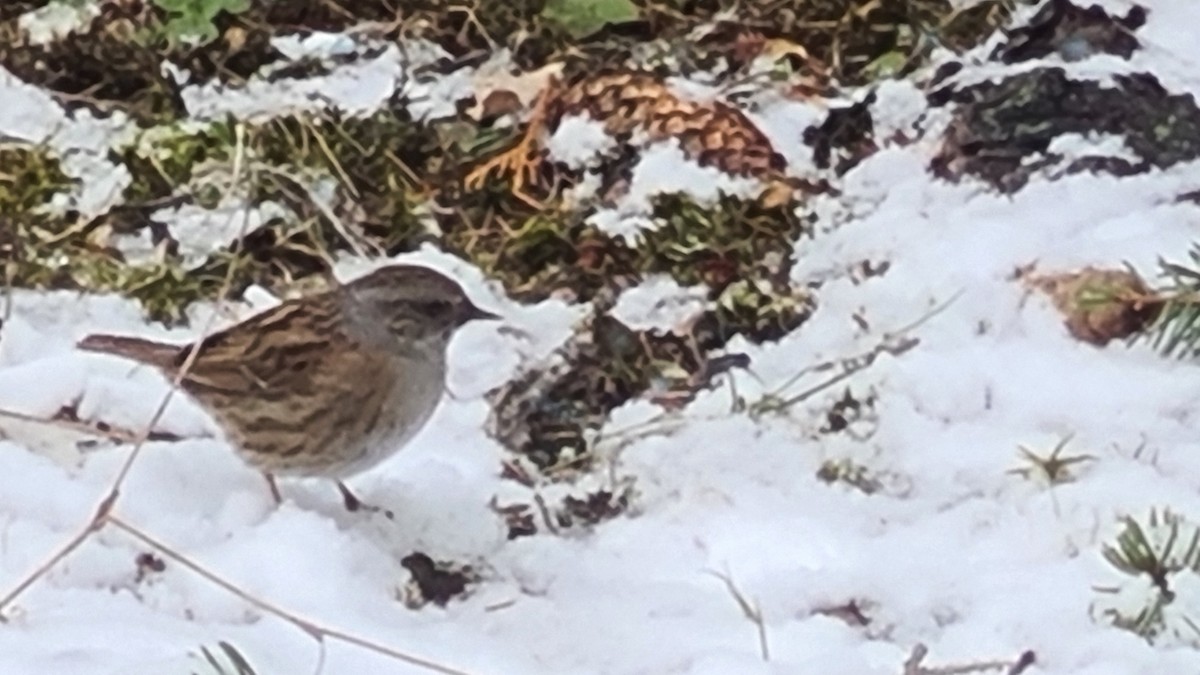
327 385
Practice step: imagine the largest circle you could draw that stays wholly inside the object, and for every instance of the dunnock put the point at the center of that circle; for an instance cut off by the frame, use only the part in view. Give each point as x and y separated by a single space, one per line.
327 385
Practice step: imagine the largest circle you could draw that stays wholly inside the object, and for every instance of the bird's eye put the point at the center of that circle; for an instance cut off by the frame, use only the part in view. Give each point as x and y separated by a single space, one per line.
436 308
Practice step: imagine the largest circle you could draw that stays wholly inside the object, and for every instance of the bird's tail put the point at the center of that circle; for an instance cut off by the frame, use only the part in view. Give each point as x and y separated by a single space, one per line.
162 356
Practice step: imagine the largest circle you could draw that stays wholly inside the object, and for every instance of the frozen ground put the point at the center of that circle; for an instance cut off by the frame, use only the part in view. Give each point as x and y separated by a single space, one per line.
954 551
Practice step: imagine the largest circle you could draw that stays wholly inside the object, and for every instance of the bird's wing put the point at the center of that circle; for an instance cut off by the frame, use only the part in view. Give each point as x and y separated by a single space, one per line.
267 353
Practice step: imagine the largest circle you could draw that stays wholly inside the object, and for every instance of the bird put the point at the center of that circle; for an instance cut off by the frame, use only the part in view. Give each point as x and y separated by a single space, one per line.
327 385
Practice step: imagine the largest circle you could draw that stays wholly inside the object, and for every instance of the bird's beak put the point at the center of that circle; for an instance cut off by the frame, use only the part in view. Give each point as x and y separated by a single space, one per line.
473 313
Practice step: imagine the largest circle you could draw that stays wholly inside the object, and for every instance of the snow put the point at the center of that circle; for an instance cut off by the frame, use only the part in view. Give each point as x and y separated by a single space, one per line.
55 21
660 303
80 141
578 141
662 168
897 108
200 231
954 551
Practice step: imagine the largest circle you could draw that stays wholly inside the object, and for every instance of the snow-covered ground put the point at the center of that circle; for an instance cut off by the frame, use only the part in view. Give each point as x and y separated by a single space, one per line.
953 550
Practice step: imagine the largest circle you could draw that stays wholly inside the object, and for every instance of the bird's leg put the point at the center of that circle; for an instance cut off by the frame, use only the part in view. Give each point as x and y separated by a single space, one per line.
354 504
274 488
520 160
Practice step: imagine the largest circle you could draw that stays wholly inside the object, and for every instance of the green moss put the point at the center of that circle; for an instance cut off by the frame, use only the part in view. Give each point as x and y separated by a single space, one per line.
194 18
165 158
164 289
29 177
715 244
535 255
32 241
756 308
350 183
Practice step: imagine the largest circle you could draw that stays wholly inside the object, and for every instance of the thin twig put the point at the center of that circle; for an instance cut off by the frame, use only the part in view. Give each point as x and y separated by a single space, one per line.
100 517
850 367
315 630
226 284
927 316
45 567
895 343
110 433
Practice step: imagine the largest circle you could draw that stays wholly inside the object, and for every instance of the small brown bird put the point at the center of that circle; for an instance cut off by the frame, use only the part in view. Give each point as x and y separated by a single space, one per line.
327 385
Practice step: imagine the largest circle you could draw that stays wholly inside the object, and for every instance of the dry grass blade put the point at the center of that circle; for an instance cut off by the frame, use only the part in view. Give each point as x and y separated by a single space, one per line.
1017 666
750 610
356 240
9 271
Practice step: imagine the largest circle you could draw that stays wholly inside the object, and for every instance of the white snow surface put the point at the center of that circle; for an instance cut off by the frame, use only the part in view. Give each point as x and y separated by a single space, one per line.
955 552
